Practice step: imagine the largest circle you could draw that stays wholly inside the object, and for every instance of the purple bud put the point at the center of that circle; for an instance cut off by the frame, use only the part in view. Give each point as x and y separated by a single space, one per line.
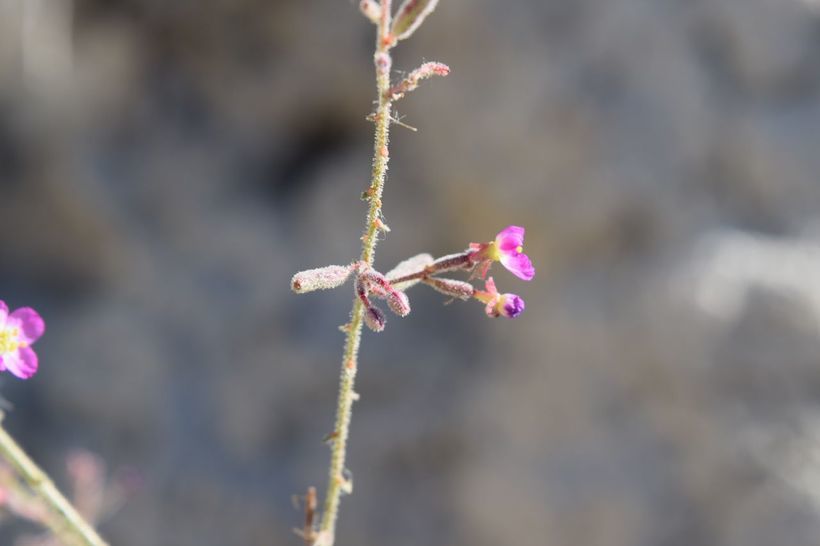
410 15
321 278
510 305
374 318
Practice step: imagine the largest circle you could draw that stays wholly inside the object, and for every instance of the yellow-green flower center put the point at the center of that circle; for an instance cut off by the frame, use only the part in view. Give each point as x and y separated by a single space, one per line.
10 340
493 252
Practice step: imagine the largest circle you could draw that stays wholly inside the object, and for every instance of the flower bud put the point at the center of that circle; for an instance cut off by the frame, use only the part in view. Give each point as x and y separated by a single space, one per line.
451 287
374 318
499 305
398 303
509 305
321 278
373 282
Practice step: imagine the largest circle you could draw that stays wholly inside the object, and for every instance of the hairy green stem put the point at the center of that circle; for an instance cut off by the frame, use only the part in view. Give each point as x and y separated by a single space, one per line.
336 478
66 522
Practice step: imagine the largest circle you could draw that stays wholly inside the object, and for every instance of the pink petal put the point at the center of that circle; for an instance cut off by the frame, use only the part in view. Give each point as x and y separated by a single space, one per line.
30 323
520 265
22 363
2 364
4 312
510 238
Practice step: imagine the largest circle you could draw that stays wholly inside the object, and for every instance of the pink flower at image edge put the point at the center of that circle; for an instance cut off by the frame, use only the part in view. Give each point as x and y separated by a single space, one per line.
18 331
509 244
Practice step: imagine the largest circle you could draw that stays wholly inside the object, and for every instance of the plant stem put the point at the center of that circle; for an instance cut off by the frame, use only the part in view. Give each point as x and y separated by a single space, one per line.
336 478
67 521
462 260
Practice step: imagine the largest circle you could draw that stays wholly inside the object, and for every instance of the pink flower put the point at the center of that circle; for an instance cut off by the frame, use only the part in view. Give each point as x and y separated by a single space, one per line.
18 330
509 243
499 305
506 248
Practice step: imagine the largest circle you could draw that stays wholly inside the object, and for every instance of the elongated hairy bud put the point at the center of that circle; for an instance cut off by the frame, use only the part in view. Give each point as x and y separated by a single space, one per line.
451 287
322 278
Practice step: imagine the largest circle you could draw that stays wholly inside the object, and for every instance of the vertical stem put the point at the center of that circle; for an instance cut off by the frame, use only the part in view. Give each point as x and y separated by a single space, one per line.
67 520
336 478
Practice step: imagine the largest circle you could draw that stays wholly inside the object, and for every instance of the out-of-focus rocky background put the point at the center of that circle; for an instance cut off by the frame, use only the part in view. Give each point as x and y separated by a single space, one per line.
165 167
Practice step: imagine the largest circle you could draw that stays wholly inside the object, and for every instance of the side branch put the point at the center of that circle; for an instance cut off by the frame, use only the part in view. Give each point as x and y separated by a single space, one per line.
411 82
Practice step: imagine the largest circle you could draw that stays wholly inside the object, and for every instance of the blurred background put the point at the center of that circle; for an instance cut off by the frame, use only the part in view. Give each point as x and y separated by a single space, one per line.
165 167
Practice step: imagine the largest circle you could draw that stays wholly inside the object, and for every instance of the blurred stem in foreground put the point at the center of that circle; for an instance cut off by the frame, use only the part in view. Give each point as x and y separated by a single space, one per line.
64 521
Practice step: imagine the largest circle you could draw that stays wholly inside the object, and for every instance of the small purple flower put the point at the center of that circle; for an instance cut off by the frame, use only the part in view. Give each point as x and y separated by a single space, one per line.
510 305
499 305
507 248
18 330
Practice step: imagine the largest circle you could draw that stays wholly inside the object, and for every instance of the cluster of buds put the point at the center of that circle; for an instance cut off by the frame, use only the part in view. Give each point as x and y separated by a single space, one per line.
506 248
371 282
